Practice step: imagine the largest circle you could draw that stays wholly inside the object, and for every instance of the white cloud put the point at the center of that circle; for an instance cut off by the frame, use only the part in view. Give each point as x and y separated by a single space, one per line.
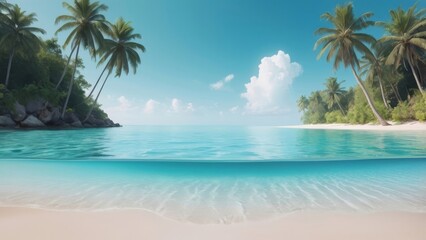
150 106
130 111
234 109
217 85
190 107
177 106
229 78
124 111
124 103
266 93
220 84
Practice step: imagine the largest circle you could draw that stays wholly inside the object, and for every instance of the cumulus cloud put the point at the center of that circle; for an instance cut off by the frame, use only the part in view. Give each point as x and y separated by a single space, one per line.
190 107
124 103
150 106
123 110
177 106
131 111
266 93
229 78
220 84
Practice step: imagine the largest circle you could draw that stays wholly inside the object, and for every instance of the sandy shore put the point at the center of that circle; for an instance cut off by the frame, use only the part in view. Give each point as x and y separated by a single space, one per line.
34 224
409 126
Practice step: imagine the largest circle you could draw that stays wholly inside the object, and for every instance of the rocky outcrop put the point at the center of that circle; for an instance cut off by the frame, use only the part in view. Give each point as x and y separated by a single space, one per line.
70 118
77 124
39 113
45 116
6 121
35 105
18 112
56 115
32 122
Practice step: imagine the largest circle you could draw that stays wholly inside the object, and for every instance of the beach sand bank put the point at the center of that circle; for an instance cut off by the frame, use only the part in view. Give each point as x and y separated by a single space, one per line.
25 223
408 126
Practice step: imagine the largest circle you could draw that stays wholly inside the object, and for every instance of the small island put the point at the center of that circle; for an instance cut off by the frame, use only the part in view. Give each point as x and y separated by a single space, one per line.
43 87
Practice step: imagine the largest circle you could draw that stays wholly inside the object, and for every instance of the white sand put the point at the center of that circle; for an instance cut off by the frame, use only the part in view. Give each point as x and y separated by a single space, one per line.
408 126
24 223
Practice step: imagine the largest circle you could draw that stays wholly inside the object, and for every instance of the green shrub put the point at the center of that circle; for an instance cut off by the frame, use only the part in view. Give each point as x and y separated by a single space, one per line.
335 117
419 107
7 100
360 114
402 112
32 91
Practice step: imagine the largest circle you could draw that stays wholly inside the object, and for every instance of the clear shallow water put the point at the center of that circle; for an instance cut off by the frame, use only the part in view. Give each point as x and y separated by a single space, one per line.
214 174
210 143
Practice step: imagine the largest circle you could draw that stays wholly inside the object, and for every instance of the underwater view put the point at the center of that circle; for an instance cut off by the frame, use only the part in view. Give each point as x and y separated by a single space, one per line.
214 174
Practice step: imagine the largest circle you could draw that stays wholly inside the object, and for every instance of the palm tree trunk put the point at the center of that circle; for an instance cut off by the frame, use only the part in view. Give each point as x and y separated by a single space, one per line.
396 92
9 66
65 69
96 84
382 91
341 109
373 108
97 96
415 76
71 83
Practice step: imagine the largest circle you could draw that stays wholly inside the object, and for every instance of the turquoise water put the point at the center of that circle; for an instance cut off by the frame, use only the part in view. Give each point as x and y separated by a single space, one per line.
214 174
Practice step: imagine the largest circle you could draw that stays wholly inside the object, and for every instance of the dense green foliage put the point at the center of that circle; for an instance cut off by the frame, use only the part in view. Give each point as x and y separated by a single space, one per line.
36 75
394 70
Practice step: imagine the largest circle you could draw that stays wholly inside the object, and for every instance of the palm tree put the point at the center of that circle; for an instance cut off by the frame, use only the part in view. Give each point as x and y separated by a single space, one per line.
373 68
3 8
87 25
334 93
302 103
17 32
120 52
406 42
344 41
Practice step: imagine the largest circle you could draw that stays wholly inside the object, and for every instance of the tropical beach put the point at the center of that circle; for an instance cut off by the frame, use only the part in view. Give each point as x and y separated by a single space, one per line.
407 126
212 120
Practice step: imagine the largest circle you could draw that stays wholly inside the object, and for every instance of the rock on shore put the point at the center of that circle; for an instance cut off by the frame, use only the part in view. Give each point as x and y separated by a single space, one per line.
38 113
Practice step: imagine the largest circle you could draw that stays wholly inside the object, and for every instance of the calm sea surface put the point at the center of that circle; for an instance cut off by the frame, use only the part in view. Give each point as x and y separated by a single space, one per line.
214 174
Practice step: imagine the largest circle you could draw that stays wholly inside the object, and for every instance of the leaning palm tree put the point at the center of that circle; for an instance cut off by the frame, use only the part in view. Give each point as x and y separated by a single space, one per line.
373 68
120 53
406 41
344 41
17 33
87 26
334 93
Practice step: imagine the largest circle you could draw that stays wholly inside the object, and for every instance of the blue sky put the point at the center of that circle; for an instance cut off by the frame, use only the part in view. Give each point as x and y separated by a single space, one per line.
203 63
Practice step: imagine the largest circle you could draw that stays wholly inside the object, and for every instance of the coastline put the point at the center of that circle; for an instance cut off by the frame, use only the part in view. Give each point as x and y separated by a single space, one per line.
26 223
407 126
